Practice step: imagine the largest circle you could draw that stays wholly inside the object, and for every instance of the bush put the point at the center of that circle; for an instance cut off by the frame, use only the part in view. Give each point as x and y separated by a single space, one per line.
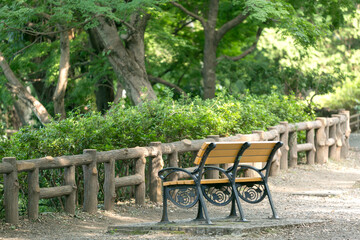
166 121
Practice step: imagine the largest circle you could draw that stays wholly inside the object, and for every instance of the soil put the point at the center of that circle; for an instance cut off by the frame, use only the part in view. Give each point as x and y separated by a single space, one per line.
329 193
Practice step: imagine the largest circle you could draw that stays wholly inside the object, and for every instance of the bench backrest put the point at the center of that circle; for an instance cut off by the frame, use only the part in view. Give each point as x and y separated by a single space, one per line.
224 152
260 152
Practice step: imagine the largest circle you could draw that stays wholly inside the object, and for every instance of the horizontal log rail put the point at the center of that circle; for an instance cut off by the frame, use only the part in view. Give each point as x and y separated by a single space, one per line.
325 138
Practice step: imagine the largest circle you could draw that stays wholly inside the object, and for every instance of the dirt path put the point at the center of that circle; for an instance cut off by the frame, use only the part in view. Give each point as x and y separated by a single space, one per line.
330 193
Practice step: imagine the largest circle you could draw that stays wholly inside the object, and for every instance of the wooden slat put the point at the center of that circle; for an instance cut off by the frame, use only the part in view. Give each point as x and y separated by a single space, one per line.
223 153
212 181
201 153
252 159
228 146
220 160
255 145
248 179
260 151
222 149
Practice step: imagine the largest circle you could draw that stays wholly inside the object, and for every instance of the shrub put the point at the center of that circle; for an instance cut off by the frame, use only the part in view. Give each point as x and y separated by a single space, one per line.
166 121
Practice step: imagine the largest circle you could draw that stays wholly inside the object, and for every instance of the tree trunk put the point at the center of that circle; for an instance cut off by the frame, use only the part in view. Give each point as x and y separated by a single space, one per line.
59 94
104 88
22 111
104 94
209 68
16 87
128 60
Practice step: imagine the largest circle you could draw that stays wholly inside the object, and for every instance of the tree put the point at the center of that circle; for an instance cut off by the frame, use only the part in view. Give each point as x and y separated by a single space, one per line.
306 21
19 91
128 56
50 22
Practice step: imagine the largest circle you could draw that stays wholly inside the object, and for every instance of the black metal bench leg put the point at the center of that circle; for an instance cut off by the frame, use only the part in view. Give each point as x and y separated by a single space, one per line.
164 218
271 201
202 210
236 195
233 213
200 215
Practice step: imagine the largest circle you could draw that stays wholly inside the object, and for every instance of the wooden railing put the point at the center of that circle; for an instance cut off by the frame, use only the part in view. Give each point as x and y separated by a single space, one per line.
325 138
355 122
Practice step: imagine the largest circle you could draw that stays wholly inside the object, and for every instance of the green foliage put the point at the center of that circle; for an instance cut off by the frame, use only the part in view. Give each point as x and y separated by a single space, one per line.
346 96
164 121
341 54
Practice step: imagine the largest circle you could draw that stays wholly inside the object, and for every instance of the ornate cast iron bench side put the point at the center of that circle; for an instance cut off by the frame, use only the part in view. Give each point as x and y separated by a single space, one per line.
186 193
251 189
254 189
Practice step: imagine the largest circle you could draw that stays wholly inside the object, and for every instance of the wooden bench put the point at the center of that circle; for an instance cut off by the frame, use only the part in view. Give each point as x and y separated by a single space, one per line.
232 184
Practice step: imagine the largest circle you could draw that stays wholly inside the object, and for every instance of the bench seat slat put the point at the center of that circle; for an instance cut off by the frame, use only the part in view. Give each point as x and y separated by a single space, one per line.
212 181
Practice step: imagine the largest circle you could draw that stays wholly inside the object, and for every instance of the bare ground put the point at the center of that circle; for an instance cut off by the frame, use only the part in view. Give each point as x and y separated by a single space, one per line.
329 193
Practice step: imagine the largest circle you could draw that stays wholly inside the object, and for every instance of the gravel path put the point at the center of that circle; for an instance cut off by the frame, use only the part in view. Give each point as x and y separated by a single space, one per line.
329 193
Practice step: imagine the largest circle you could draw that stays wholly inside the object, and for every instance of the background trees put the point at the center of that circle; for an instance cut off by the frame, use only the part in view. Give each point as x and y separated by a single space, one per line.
81 55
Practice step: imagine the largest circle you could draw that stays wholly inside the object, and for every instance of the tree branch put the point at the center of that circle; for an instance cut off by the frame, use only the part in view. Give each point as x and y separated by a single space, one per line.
230 24
247 51
166 83
35 33
184 24
23 49
182 8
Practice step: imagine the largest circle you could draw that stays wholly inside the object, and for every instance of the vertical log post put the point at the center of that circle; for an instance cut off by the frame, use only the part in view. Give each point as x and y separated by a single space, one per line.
70 200
338 138
141 188
156 165
310 138
327 130
213 174
260 133
34 194
173 159
332 134
293 157
346 131
284 138
91 184
321 152
275 164
11 193
109 185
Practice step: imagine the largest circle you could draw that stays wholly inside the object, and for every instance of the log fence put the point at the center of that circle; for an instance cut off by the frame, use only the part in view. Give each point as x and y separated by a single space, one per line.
325 138
355 122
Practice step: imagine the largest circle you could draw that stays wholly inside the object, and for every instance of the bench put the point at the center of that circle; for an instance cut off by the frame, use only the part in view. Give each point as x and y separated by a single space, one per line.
233 184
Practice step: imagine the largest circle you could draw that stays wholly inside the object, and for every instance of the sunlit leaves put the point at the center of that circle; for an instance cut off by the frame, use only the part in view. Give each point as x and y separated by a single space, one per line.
264 10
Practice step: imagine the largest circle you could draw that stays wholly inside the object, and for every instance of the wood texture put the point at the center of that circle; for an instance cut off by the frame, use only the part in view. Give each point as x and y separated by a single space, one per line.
156 165
34 194
11 192
91 184
70 199
310 155
293 149
109 185
284 138
321 148
140 189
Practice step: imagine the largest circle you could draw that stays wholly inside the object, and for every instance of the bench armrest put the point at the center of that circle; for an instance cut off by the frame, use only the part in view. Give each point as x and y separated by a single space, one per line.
164 173
208 168
259 171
